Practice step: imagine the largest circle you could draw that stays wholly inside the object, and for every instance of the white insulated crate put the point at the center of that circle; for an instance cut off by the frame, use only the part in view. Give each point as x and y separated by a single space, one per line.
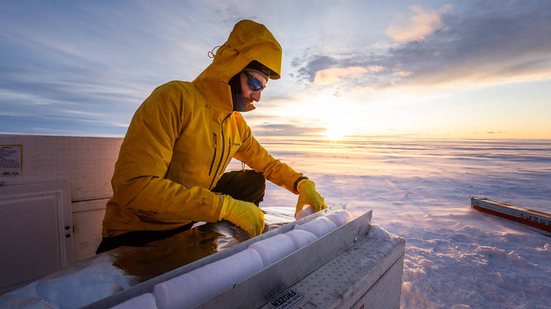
31 166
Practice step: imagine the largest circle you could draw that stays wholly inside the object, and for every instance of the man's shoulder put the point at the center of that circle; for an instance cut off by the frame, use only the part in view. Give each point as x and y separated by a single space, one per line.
177 84
237 116
240 121
176 87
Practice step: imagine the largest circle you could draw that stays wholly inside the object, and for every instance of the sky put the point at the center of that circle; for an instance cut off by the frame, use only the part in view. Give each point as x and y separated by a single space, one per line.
435 69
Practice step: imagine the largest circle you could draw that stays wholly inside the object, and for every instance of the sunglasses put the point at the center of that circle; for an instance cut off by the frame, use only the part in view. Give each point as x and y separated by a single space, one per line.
254 83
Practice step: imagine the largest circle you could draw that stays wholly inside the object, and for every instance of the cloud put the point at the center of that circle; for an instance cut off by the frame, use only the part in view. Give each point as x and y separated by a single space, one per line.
485 43
308 66
285 130
490 43
57 125
422 23
334 75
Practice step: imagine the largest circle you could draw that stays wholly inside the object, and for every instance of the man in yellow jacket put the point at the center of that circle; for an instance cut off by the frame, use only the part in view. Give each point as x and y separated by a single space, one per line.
170 170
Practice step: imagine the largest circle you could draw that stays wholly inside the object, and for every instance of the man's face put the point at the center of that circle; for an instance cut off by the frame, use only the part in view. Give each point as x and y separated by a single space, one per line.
251 80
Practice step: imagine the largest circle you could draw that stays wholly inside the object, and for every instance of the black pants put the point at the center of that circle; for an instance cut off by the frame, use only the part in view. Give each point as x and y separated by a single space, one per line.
246 185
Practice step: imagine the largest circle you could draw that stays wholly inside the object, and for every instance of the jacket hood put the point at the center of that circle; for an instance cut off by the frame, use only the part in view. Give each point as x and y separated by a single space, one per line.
247 41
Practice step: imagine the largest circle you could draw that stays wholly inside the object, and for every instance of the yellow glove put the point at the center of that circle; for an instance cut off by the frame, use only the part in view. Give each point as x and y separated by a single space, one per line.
245 215
309 196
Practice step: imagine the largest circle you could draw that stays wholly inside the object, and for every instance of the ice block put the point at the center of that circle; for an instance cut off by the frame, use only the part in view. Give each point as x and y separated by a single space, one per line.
197 286
318 226
274 248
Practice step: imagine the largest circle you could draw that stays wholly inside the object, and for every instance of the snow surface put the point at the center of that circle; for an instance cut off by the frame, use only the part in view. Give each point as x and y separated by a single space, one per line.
456 257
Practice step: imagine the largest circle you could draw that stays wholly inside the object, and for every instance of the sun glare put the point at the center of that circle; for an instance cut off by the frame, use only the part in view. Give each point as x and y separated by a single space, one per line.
335 116
334 132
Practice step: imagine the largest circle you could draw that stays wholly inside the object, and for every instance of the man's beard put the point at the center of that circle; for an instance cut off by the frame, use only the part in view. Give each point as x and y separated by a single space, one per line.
240 104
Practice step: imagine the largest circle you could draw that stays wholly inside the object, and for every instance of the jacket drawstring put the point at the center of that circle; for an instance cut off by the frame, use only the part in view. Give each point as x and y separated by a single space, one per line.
212 53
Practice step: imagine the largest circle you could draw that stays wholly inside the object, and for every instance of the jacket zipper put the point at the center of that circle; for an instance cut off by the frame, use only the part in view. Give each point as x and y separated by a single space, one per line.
222 153
219 162
214 156
229 152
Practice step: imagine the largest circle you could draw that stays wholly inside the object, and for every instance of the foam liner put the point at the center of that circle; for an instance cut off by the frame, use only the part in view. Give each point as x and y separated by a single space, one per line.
274 248
144 301
190 289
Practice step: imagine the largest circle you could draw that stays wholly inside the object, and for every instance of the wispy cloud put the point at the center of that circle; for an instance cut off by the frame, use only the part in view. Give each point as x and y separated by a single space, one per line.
487 43
335 75
52 124
282 129
90 63
422 23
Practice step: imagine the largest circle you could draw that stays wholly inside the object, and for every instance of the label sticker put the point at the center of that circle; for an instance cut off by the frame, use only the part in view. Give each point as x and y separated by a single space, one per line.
11 158
286 299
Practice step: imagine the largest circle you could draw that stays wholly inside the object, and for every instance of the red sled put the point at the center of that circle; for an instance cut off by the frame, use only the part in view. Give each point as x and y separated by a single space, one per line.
541 221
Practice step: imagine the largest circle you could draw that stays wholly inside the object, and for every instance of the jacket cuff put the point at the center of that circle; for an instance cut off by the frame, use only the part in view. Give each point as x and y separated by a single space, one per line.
295 185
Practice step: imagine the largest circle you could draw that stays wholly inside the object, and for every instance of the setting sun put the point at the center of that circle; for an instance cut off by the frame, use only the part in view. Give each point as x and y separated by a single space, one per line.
336 115
333 134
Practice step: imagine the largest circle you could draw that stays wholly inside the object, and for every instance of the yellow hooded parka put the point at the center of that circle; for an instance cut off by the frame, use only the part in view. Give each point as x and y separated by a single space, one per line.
182 138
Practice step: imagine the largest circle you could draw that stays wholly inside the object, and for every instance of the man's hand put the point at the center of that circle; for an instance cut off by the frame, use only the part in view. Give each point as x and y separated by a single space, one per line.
245 215
309 196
